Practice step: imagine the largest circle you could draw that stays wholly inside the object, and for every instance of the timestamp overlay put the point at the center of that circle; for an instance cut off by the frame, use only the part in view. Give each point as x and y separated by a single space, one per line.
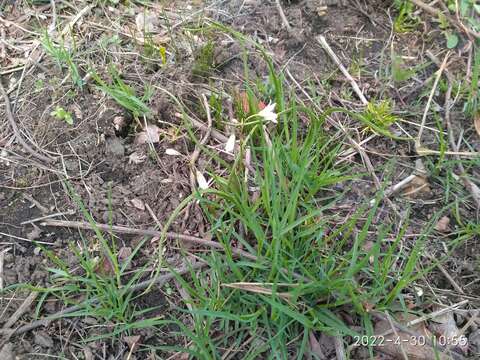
420 340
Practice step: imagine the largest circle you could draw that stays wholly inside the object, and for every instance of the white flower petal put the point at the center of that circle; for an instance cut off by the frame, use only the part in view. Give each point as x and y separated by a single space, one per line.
172 152
268 113
202 182
230 145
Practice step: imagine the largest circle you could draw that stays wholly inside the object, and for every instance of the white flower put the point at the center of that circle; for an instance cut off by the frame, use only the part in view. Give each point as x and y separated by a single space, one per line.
202 182
230 145
172 152
268 113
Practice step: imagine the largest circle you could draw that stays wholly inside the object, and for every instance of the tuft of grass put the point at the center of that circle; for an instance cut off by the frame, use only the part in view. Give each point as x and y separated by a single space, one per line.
99 284
204 60
380 114
63 57
405 20
311 261
124 94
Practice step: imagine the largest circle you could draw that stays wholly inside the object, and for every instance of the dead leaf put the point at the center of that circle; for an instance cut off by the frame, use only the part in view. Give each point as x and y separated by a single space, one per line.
418 188
35 233
132 342
202 182
230 145
173 152
136 158
476 122
147 23
444 325
151 134
104 267
315 348
443 224
138 204
119 122
413 346
322 346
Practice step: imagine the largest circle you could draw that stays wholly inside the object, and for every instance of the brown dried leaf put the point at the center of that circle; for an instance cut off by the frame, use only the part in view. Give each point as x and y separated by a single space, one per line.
411 345
138 204
443 224
132 342
418 188
151 134
445 326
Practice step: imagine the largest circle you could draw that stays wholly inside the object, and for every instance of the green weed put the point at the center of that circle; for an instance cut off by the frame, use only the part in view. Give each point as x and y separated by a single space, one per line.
61 114
204 60
123 94
63 57
405 20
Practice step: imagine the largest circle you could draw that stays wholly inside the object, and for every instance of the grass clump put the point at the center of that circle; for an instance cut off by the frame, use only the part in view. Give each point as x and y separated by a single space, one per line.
63 56
204 60
124 94
312 264
97 285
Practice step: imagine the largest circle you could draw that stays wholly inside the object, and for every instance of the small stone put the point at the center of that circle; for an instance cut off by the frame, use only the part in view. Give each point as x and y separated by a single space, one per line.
115 147
42 339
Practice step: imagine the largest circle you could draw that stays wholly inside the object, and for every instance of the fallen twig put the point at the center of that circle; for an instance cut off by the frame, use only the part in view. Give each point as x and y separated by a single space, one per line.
132 231
469 185
16 131
21 310
437 13
283 17
321 39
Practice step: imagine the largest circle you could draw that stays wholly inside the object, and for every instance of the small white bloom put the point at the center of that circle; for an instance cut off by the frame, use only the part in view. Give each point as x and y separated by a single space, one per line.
172 152
268 113
230 145
202 182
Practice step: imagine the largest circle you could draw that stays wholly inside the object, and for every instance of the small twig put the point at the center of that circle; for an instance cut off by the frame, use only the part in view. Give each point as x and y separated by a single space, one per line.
68 212
16 131
154 217
321 39
21 310
283 17
339 349
418 140
437 13
402 350
127 230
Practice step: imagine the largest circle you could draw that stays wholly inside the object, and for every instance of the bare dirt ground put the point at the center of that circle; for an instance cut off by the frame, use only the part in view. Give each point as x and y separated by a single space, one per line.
125 180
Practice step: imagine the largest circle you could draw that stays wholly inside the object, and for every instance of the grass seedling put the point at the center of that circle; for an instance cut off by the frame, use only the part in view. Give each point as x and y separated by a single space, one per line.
124 94
63 57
